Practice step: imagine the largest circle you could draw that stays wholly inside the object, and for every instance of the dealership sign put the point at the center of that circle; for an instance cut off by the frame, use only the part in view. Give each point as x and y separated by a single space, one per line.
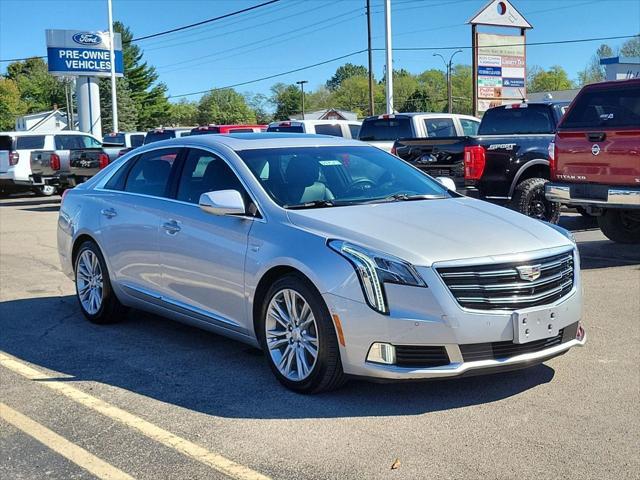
77 52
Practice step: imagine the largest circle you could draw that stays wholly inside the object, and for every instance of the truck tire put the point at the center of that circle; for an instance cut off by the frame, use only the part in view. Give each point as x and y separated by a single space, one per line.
529 200
621 226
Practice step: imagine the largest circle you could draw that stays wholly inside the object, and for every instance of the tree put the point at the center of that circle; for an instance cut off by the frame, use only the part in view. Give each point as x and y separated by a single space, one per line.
343 72
259 103
353 95
430 95
183 113
404 85
11 106
594 72
287 99
631 48
224 107
149 97
39 90
127 109
462 89
555 78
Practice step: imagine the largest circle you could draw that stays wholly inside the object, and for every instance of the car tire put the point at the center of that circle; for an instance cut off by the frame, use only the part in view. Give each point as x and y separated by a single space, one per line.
45 190
529 199
621 226
97 300
326 372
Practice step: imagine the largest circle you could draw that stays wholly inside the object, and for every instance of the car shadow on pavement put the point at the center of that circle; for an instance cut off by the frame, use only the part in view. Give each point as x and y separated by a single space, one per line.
30 202
208 373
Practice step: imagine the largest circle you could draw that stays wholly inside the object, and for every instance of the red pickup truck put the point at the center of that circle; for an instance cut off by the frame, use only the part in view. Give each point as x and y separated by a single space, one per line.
595 157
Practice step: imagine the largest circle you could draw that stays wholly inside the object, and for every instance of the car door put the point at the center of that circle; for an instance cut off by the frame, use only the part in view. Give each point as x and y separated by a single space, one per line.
203 255
131 212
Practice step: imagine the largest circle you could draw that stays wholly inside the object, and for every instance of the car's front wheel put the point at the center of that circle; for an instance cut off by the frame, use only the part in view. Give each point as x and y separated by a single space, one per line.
298 337
93 287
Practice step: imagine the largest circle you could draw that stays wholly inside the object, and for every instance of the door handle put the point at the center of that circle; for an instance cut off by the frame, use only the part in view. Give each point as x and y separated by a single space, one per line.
171 227
596 136
108 212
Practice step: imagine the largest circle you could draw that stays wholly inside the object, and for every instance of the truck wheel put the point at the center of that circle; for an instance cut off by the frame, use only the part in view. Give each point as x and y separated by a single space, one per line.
622 226
529 200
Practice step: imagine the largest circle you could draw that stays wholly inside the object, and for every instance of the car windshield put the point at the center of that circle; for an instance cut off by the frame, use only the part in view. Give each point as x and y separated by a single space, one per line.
311 177
385 129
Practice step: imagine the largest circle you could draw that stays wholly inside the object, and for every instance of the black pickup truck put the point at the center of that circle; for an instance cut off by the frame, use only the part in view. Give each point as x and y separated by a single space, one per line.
507 162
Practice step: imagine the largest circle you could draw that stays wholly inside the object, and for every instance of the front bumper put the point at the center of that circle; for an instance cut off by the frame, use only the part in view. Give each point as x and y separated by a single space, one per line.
593 195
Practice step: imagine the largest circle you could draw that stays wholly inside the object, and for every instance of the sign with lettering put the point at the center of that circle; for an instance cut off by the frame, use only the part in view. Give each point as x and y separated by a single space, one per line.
77 52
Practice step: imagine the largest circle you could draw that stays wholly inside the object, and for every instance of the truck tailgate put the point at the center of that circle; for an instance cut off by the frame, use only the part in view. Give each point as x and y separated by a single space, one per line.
439 157
615 160
86 163
41 163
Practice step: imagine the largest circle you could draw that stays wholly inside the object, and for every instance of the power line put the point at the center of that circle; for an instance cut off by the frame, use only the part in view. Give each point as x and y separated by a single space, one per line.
270 76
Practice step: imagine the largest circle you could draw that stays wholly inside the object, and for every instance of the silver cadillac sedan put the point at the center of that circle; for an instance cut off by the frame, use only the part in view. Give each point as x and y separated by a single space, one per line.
335 258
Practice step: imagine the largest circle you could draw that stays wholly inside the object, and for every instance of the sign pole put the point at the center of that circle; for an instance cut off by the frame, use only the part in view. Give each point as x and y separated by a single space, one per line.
389 52
474 67
114 98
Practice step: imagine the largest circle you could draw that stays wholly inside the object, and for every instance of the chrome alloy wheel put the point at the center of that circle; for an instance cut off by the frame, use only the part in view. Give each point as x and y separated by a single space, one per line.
292 335
89 282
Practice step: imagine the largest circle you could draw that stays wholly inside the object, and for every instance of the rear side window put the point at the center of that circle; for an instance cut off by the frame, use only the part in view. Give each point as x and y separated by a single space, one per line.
615 107
333 130
510 121
469 127
136 140
386 129
75 142
151 172
30 142
354 129
440 127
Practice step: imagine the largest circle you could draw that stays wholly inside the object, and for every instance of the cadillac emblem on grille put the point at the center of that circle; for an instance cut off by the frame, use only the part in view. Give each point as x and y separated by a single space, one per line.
529 272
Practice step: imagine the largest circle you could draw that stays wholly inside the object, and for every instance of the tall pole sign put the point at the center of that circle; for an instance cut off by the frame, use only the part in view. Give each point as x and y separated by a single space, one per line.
499 61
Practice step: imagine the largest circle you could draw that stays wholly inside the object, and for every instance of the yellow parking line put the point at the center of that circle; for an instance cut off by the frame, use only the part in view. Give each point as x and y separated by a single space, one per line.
64 447
190 449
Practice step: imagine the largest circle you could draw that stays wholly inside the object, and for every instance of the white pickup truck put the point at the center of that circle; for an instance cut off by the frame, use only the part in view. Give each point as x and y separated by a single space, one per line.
383 130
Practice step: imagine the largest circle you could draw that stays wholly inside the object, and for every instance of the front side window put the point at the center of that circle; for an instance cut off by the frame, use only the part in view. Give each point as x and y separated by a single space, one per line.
440 127
469 127
151 172
326 129
205 172
354 128
30 142
76 142
338 175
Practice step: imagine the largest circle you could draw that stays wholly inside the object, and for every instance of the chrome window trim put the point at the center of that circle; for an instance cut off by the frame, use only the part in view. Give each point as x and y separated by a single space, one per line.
100 186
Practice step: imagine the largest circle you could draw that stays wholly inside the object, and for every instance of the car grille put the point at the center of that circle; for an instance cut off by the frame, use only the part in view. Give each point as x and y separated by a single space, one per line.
500 286
421 356
498 350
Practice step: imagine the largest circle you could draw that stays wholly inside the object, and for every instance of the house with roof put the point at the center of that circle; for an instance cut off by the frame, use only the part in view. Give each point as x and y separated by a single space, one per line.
53 120
328 114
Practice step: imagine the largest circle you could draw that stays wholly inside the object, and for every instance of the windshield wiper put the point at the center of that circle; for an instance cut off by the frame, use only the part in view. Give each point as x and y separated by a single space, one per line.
404 197
313 204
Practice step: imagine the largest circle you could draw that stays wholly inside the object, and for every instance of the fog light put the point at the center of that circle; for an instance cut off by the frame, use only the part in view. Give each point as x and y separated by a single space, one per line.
382 353
580 332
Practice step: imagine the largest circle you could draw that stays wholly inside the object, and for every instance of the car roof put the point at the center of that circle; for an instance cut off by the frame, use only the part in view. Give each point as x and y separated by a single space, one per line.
254 141
425 114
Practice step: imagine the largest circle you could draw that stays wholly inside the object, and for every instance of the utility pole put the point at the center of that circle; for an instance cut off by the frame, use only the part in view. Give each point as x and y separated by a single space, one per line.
301 83
389 55
114 98
371 100
448 66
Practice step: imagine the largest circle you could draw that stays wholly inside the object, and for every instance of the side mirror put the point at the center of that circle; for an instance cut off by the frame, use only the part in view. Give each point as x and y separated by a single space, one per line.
447 182
222 202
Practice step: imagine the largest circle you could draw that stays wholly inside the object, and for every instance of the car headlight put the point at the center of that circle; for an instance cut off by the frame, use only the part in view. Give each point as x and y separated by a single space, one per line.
374 269
563 231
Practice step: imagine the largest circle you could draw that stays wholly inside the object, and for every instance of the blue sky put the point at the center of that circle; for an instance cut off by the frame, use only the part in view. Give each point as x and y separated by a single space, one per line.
295 33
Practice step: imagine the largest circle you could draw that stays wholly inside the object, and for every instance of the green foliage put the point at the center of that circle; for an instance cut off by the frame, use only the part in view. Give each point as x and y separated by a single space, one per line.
343 72
259 103
287 99
11 106
594 72
183 113
631 48
127 109
224 107
39 90
461 89
555 78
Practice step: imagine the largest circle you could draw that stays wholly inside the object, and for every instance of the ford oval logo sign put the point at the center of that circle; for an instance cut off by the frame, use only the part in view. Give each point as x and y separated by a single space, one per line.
87 38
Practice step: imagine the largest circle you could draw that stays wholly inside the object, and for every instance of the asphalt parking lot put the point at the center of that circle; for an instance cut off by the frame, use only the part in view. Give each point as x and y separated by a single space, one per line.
150 398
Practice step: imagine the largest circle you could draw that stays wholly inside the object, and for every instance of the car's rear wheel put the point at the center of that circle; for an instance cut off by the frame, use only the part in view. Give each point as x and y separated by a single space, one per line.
93 287
298 337
622 226
530 200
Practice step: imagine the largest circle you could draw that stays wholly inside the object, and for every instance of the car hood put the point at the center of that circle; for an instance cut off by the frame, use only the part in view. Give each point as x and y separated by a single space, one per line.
428 231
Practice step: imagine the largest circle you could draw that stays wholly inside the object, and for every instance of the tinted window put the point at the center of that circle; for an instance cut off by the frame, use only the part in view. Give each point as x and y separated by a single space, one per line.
75 142
617 107
386 129
289 129
296 176
333 130
354 129
469 127
205 130
150 174
440 127
5 142
240 130
30 143
205 172
114 138
507 121
156 136
183 134
136 140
